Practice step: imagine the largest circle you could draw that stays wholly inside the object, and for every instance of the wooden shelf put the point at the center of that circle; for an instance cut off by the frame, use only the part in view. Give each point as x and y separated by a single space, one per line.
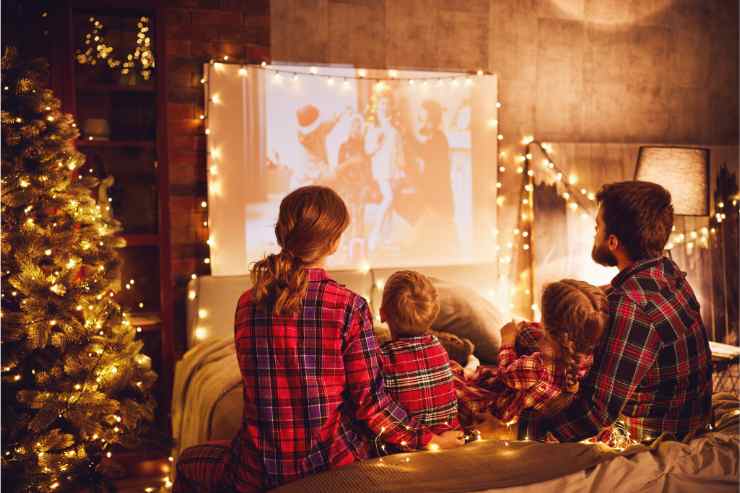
108 88
133 240
143 144
136 155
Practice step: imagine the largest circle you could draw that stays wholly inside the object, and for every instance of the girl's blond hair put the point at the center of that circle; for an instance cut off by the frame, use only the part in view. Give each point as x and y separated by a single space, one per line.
310 223
575 315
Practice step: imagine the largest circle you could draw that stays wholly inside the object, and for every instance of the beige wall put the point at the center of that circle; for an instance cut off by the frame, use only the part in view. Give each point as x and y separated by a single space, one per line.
618 71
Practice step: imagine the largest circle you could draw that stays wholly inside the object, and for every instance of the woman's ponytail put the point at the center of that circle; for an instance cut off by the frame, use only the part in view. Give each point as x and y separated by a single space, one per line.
279 280
310 223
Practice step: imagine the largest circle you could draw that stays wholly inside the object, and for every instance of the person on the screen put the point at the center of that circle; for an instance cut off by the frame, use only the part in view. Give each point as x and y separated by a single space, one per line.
383 144
354 180
434 164
314 166
314 397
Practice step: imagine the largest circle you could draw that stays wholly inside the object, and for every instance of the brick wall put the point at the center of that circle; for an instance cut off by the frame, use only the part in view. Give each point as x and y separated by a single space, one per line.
196 31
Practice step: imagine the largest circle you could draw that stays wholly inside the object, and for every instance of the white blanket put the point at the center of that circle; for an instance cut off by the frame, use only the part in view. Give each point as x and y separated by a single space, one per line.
203 377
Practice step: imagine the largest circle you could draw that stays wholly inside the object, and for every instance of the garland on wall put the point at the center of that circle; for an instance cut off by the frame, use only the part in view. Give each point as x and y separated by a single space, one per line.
98 48
584 200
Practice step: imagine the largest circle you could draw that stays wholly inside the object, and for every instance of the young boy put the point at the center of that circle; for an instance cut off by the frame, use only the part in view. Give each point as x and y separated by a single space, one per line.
416 368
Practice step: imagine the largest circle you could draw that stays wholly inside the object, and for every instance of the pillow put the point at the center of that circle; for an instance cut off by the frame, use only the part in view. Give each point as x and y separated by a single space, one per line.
465 313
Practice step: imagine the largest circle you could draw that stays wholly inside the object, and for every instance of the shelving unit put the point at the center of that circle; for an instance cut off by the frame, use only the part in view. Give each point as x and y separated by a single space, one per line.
131 111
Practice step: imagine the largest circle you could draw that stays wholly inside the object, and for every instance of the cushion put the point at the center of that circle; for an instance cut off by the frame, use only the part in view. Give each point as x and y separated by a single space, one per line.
466 314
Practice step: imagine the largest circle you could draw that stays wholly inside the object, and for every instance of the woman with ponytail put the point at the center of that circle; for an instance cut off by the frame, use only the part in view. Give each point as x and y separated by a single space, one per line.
540 365
313 389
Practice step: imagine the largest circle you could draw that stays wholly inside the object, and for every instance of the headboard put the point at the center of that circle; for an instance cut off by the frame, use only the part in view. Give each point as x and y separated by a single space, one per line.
212 299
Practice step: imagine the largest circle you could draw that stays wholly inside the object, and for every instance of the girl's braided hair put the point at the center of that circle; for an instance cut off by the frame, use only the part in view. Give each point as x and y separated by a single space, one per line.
575 315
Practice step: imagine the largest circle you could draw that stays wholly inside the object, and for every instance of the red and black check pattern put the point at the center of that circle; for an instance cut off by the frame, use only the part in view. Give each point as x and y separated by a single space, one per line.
205 468
313 388
526 378
417 374
653 368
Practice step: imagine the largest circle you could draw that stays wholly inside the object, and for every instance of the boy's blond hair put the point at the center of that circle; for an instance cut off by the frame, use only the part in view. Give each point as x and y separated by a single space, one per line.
410 303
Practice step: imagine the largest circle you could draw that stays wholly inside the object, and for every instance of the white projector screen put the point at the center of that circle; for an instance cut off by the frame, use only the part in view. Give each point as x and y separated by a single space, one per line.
413 154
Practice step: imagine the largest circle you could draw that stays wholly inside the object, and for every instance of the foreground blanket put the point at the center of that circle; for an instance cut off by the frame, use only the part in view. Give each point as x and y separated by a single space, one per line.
708 464
207 405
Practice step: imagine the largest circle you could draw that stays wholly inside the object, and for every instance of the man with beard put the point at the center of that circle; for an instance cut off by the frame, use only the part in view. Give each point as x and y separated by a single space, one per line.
653 366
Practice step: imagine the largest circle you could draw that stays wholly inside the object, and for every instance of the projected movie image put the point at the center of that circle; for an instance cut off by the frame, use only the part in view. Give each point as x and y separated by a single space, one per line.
404 153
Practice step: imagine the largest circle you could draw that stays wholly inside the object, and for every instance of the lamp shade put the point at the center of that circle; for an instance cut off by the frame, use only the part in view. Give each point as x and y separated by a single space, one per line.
683 171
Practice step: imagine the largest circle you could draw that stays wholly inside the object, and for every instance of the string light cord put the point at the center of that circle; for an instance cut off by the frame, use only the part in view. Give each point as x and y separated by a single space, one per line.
573 193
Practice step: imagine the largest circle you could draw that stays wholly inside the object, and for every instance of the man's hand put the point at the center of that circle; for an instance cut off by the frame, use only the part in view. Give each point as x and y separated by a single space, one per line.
448 439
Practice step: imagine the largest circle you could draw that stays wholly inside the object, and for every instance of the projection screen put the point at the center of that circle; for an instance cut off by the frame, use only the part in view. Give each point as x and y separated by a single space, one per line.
413 155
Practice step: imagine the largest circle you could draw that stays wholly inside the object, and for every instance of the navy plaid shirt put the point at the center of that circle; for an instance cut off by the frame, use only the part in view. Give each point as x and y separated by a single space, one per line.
653 368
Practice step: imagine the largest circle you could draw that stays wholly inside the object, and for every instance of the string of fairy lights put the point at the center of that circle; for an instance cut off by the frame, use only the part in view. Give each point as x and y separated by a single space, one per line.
97 48
279 75
578 199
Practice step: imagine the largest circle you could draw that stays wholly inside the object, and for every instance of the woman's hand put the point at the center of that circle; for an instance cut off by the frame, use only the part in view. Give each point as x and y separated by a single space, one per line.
448 439
509 332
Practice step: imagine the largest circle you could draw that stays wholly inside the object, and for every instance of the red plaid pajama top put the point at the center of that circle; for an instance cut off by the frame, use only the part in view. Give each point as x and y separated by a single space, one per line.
527 377
313 388
529 381
417 374
653 368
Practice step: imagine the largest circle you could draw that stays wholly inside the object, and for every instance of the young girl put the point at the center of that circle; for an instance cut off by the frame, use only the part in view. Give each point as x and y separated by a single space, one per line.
313 393
540 366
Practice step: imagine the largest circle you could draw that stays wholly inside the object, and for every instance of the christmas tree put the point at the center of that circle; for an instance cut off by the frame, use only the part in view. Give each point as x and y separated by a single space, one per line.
74 382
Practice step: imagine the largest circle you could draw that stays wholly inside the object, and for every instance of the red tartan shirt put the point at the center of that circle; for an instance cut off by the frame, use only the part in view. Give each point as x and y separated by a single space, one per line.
530 381
653 368
417 374
313 388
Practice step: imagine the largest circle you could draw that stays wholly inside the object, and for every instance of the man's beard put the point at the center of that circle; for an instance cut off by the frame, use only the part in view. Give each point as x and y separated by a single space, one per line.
602 256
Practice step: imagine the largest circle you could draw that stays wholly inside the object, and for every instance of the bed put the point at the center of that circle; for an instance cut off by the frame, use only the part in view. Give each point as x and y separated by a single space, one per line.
207 404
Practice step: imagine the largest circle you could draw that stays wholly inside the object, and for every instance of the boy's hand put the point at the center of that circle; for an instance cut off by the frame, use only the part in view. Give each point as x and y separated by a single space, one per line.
510 331
448 439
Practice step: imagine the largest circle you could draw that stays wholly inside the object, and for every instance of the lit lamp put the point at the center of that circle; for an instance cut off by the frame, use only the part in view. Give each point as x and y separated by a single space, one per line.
683 171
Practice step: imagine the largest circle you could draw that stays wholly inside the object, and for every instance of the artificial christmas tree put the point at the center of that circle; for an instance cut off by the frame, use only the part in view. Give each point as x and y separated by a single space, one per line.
74 382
